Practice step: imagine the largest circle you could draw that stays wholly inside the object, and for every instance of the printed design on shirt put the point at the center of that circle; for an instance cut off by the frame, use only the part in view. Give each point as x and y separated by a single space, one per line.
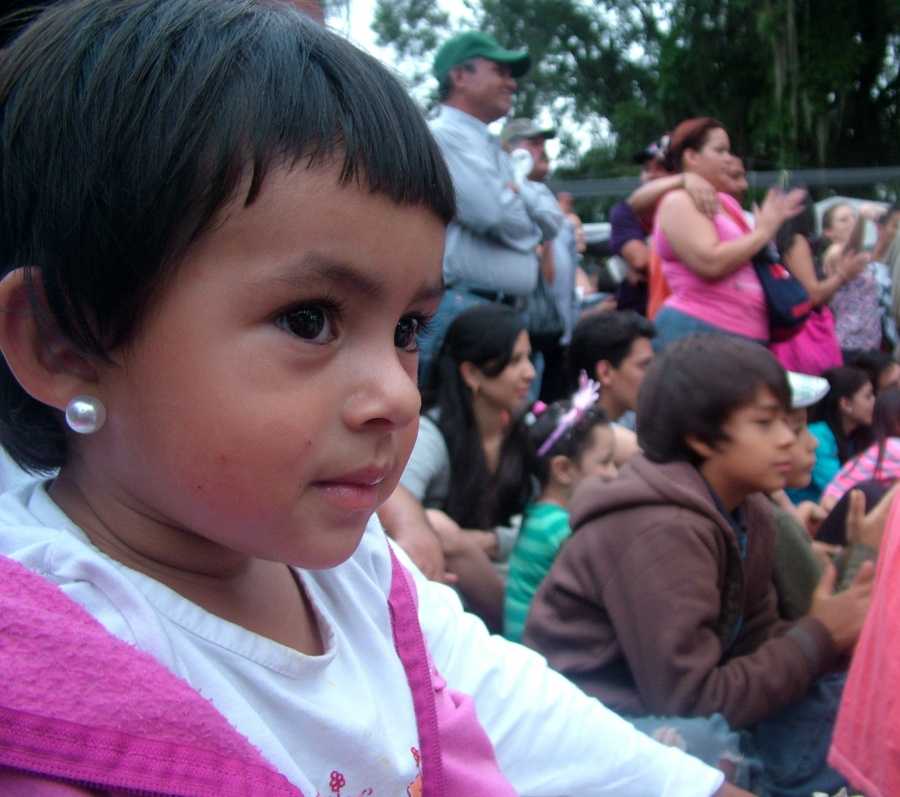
415 788
337 782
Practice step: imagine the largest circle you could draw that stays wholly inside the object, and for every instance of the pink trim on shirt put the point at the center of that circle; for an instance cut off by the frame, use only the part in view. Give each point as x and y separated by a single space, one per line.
716 302
457 756
862 469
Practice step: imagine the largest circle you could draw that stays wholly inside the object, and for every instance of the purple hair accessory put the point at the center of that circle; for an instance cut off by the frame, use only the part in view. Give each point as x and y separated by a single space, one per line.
538 408
584 398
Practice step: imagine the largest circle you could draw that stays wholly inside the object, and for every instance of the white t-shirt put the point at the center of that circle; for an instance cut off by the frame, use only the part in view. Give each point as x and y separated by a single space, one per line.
11 475
350 710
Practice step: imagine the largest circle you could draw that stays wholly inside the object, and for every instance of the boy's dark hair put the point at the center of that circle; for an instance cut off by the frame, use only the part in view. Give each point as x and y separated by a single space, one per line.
572 444
695 385
127 126
605 336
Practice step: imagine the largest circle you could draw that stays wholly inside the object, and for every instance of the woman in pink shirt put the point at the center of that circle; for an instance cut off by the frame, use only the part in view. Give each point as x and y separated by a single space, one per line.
707 261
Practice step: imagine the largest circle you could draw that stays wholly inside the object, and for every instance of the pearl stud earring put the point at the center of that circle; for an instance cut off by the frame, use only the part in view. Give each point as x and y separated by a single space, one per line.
85 414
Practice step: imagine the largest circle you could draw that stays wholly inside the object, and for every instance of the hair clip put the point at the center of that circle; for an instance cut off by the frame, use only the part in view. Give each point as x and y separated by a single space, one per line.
584 398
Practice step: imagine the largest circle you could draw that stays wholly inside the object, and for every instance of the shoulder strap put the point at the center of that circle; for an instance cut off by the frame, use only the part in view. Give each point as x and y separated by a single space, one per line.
410 646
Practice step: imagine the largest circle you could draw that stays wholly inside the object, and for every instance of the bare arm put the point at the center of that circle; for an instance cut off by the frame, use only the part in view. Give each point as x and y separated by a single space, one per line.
637 255
404 520
477 578
695 241
727 790
799 261
703 195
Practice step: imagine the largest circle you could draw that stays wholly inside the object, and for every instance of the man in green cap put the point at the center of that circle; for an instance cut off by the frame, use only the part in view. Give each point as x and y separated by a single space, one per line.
491 249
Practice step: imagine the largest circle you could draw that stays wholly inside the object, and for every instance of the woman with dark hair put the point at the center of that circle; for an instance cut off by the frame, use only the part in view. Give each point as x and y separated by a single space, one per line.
472 459
706 262
816 347
842 428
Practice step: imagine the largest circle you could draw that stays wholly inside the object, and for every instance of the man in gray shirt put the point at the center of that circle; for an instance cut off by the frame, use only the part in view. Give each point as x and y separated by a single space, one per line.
491 249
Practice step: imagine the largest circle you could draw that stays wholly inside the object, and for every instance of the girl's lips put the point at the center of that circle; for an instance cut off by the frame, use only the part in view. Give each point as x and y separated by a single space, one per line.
349 496
358 491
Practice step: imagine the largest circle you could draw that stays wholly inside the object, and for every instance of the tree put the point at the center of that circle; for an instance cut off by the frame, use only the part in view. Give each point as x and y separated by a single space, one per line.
797 82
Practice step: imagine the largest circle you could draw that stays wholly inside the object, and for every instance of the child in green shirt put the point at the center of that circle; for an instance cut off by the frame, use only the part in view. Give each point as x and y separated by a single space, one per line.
573 440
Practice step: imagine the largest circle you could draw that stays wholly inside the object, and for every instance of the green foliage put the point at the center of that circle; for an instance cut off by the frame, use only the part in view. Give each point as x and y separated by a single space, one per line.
796 82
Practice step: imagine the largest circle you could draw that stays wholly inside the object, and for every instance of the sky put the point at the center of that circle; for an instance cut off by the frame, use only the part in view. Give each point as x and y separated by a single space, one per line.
357 26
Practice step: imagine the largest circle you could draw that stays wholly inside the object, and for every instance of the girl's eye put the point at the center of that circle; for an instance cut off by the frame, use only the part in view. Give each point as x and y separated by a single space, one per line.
312 322
408 330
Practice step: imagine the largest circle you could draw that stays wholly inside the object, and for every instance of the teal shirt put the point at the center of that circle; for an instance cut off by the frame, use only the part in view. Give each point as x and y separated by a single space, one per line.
826 467
545 528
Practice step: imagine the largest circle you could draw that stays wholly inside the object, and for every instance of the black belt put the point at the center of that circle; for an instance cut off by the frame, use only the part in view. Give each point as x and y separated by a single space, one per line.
493 296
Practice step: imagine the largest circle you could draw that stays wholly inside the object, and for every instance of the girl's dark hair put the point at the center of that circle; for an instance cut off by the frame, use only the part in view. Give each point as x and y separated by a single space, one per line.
695 385
689 134
845 381
126 127
803 224
484 336
885 423
571 444
873 362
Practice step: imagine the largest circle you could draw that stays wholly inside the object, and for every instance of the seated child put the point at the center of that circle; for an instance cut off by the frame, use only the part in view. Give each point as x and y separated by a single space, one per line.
662 601
881 460
573 441
222 231
842 427
797 569
799 556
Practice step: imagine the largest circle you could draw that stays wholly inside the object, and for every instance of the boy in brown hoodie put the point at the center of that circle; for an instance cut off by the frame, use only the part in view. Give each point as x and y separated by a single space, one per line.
662 602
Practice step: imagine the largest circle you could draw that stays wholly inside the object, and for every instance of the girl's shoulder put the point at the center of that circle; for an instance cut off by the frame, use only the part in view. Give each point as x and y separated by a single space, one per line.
822 432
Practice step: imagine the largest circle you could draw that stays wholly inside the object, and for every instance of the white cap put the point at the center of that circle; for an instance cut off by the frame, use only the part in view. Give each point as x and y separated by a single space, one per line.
806 389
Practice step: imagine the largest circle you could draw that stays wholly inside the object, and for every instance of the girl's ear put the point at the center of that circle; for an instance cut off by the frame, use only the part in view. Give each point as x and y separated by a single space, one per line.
45 363
844 406
563 470
471 375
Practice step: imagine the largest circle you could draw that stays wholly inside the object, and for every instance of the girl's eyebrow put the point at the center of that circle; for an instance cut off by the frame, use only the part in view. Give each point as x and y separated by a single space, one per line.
317 269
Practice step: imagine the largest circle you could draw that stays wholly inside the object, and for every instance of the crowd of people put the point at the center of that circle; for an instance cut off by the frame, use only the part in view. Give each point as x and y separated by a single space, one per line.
320 477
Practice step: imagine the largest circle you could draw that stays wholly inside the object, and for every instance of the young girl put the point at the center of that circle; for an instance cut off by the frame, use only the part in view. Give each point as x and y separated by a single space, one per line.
842 429
221 231
574 441
881 460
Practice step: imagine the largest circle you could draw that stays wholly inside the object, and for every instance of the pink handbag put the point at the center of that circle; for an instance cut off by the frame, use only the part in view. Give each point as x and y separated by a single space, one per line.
814 348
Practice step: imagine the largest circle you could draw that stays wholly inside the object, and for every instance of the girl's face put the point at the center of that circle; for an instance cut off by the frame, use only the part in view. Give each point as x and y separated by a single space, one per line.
269 403
597 458
713 160
859 408
803 451
508 390
842 220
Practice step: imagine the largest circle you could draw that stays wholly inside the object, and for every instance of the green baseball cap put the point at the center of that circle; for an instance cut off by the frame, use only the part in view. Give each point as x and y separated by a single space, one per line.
474 44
